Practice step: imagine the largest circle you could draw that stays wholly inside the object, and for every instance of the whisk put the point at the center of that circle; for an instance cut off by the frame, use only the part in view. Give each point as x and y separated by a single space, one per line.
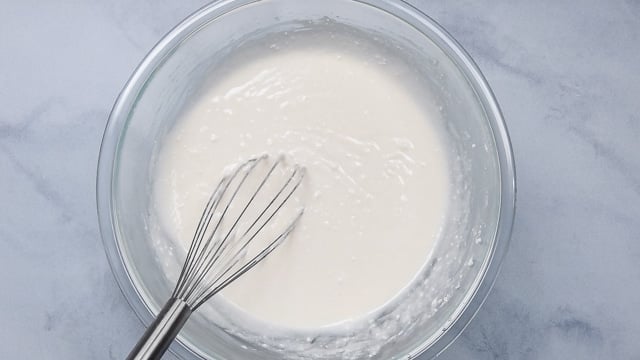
231 238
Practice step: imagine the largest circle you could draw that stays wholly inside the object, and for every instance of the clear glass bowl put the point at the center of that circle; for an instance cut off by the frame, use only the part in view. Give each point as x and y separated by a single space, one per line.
480 154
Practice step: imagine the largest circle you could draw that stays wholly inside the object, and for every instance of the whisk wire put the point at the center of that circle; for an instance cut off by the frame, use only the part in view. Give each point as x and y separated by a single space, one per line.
254 261
221 282
200 267
214 261
195 243
224 242
195 249
219 245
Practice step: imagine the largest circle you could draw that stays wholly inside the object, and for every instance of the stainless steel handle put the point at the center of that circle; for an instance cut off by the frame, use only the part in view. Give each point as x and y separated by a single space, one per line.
156 340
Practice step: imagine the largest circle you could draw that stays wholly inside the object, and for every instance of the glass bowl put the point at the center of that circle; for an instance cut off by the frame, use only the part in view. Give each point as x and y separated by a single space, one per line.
480 155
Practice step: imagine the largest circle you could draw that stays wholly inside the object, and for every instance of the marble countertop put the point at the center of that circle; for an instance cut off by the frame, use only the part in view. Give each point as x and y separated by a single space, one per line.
566 73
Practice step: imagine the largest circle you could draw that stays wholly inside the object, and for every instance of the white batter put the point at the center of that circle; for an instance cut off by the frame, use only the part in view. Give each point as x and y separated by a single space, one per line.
376 185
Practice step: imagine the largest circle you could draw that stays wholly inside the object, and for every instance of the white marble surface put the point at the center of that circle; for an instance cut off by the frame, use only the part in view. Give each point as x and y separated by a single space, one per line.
566 73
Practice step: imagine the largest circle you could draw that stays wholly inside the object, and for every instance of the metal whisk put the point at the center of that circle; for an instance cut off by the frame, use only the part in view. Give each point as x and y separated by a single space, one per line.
230 239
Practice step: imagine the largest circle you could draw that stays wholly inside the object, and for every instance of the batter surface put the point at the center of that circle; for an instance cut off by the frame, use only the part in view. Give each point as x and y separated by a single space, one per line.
377 179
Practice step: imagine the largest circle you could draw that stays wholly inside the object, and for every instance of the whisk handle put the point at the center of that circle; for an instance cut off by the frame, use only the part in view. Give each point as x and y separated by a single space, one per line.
156 340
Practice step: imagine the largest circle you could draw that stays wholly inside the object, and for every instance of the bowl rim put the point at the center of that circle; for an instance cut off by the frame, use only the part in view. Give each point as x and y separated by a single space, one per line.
119 117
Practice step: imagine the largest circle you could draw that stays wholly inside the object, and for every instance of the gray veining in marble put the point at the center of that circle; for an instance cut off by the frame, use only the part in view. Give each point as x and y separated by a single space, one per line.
566 73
